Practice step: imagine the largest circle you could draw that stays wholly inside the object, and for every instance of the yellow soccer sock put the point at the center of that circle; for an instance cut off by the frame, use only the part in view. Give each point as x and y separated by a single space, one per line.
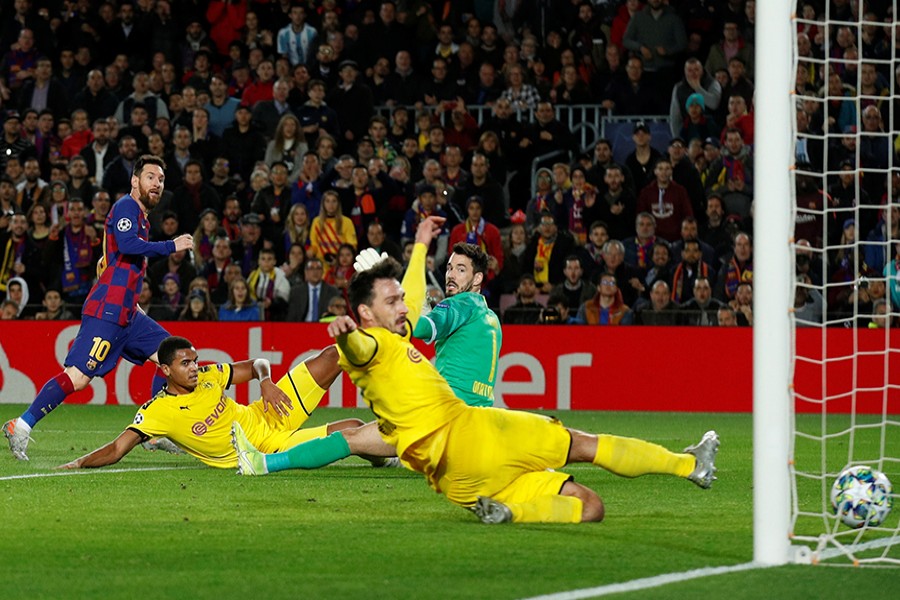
548 509
631 457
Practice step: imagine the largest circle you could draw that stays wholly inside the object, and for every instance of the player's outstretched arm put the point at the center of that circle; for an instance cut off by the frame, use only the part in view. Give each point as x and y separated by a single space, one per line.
109 454
272 395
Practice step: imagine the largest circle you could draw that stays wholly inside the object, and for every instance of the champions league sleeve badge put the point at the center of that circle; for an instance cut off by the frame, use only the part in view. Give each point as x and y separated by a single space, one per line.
123 224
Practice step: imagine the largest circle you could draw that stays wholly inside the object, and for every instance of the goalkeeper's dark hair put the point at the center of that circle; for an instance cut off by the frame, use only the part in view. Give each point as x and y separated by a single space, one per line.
170 346
144 160
474 253
362 285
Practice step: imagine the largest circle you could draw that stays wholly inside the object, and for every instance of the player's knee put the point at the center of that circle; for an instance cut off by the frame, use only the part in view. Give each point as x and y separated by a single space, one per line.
79 379
592 509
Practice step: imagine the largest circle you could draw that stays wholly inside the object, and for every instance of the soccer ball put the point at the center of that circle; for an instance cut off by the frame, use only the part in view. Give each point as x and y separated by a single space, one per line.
861 496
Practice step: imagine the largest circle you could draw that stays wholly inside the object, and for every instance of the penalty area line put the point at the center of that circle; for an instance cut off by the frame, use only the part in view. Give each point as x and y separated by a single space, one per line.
95 472
648 582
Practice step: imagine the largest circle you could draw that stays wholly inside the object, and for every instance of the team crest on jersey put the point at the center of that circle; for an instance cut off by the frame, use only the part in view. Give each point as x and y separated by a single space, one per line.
414 355
91 364
124 224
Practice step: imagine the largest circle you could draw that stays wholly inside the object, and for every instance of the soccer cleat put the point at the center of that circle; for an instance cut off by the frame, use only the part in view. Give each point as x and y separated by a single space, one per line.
250 460
704 451
491 512
388 463
162 443
18 439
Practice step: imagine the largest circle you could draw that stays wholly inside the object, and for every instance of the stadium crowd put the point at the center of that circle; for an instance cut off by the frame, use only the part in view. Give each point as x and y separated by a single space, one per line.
297 133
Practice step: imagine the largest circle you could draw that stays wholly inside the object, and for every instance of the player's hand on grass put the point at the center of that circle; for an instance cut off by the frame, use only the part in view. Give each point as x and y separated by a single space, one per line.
341 326
273 396
184 241
367 259
429 229
68 466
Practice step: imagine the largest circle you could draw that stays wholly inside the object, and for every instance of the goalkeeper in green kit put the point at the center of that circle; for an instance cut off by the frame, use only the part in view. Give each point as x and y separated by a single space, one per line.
467 339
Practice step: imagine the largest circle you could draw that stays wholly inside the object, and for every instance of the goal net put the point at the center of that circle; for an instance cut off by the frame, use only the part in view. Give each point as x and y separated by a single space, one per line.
845 254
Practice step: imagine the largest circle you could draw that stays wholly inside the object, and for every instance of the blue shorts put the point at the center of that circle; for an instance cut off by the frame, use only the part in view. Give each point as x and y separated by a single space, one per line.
99 344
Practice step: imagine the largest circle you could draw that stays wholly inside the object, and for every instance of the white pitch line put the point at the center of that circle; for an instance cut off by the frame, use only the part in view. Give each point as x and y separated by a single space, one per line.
95 472
648 582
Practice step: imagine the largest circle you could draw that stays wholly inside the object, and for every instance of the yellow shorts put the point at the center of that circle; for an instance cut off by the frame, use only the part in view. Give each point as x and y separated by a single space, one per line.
503 454
276 434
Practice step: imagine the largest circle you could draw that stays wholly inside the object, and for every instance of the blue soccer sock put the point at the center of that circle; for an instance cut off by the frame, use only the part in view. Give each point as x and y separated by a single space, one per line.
159 380
51 395
310 455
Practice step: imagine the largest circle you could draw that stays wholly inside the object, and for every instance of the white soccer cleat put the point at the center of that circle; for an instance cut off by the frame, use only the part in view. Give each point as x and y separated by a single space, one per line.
18 439
367 259
704 451
162 443
491 512
250 460
388 463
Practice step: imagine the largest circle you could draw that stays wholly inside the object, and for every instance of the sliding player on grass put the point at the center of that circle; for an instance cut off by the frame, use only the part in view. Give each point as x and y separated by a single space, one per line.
112 324
496 462
194 412
467 335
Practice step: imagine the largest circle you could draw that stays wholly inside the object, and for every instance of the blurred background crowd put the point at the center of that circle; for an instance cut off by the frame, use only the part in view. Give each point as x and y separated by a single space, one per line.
600 152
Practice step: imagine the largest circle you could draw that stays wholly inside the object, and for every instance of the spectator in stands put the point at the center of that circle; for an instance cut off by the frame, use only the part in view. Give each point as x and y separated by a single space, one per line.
732 175
607 307
666 200
544 257
877 251
198 307
240 306
353 103
592 251
297 39
657 35
32 189
71 255
690 230
808 303
526 310
660 266
578 207
633 94
425 205
684 173
269 286
246 249
316 117
574 290
440 87
639 248
404 84
521 95
874 150
476 230
483 185
543 200
691 267
742 305
731 45
572 89
243 145
43 91
697 124
642 161
739 117
486 89
702 309
194 196
13 144
54 309
262 88
310 299
117 175
18 65
330 229
272 203
288 146
696 81
737 269
661 310
628 276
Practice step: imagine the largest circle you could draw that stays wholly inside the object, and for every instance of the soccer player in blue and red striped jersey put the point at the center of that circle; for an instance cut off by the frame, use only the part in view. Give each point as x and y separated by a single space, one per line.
112 325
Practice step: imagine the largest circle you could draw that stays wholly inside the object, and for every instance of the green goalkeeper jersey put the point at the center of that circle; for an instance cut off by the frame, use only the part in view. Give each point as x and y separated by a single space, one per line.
467 339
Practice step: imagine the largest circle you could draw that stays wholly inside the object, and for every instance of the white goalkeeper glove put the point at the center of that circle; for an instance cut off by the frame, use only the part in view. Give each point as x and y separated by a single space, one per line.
367 259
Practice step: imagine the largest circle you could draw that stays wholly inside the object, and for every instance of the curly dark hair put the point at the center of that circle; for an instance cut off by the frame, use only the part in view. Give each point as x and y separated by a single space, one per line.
362 284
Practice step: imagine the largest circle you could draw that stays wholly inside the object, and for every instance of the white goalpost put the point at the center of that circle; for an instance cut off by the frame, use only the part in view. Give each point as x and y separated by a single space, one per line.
826 380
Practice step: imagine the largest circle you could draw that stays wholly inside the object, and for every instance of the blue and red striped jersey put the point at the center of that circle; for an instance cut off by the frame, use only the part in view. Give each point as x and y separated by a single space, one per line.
126 247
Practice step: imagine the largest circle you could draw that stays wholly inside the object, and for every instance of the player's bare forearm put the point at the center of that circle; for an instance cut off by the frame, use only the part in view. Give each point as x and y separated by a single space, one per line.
109 454
324 367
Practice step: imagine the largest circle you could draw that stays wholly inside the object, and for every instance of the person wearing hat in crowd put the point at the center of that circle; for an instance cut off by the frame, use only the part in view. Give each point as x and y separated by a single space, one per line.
643 159
478 232
696 88
425 206
13 143
245 250
697 123
353 103
712 152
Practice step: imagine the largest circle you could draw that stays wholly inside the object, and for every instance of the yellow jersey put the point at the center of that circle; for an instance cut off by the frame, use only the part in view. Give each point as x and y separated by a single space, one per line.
200 422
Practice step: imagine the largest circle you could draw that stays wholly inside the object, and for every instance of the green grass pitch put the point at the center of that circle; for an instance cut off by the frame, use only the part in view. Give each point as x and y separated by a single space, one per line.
351 531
